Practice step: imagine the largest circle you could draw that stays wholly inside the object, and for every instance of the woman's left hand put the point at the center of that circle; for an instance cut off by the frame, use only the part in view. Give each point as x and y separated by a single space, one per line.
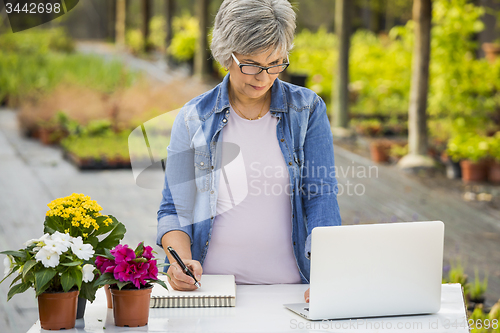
306 295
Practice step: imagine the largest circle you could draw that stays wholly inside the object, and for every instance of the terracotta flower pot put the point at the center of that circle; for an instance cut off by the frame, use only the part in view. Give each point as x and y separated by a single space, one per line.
494 172
57 310
473 172
109 298
379 151
491 51
131 307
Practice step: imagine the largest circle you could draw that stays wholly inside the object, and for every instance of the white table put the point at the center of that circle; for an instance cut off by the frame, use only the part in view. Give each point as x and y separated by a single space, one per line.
259 308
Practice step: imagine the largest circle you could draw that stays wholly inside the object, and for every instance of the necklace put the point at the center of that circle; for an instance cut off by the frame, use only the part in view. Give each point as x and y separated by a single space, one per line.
258 117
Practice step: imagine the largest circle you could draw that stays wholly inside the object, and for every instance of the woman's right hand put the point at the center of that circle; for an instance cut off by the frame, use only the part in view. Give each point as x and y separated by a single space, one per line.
180 280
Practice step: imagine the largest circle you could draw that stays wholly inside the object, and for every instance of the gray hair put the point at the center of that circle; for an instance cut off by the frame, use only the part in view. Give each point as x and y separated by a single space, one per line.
250 27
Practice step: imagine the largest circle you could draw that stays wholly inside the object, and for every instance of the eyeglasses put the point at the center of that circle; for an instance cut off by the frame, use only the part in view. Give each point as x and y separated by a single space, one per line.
255 69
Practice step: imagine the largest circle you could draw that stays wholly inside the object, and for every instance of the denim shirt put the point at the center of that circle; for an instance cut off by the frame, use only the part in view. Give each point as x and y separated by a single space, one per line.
194 163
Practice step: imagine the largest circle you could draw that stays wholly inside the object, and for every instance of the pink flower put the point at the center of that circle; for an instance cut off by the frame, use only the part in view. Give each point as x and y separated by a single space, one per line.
104 265
148 252
122 272
122 253
152 270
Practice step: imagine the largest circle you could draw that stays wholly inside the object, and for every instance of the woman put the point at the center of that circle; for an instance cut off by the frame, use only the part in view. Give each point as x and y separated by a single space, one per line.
250 162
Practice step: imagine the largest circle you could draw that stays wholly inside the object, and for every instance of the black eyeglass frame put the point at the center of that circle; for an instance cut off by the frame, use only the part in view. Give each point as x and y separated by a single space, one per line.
240 65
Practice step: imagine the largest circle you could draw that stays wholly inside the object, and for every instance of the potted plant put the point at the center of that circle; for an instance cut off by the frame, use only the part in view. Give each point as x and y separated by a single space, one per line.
494 170
380 150
56 266
397 151
478 288
129 274
471 150
80 216
456 274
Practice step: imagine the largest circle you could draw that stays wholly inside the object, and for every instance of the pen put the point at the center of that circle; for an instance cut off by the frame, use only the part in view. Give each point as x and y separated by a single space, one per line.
183 266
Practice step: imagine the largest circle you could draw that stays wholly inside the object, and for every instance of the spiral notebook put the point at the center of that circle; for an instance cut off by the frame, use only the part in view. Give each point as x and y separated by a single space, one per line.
215 291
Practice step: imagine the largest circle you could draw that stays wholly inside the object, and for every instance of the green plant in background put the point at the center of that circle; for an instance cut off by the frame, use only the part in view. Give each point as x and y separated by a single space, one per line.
157 32
478 288
185 33
135 40
37 41
468 139
369 127
460 84
399 151
494 146
456 274
381 67
469 146
37 61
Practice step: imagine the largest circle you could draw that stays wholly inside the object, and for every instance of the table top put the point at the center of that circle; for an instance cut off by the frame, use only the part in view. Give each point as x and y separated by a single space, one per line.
259 308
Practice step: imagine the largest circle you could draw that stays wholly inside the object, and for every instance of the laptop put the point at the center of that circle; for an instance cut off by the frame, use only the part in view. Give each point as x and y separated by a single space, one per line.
374 270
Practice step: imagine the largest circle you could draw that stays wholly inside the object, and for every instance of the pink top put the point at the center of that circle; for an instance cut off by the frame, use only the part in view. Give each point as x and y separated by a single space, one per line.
252 232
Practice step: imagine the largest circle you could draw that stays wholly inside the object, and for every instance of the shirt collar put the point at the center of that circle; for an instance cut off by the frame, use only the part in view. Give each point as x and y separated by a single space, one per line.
278 101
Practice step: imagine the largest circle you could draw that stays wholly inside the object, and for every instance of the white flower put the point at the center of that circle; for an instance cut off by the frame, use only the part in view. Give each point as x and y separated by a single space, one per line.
9 263
55 246
88 272
60 241
82 251
30 242
48 257
41 242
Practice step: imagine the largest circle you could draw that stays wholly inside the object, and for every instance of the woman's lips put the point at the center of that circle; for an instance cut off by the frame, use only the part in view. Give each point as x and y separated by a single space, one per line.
258 88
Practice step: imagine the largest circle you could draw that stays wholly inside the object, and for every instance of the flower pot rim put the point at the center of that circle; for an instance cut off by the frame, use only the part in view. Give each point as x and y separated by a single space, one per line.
59 292
115 287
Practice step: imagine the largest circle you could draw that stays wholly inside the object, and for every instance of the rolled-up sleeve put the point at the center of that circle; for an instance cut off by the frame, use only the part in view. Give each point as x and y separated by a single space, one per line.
179 190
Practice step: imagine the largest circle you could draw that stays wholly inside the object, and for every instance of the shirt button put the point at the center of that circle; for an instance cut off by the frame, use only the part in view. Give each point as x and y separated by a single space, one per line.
211 192
207 243
201 163
289 163
212 217
224 120
282 140
212 167
293 243
293 215
227 111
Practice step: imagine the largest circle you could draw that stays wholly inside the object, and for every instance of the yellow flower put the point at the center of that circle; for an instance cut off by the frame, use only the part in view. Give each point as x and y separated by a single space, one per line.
85 235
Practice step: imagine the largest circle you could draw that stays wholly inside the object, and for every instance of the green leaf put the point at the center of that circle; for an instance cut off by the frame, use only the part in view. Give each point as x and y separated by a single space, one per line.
162 264
139 250
121 284
113 238
106 278
17 278
92 240
42 279
17 289
161 283
67 281
18 254
104 229
88 291
52 224
72 263
78 276
27 266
